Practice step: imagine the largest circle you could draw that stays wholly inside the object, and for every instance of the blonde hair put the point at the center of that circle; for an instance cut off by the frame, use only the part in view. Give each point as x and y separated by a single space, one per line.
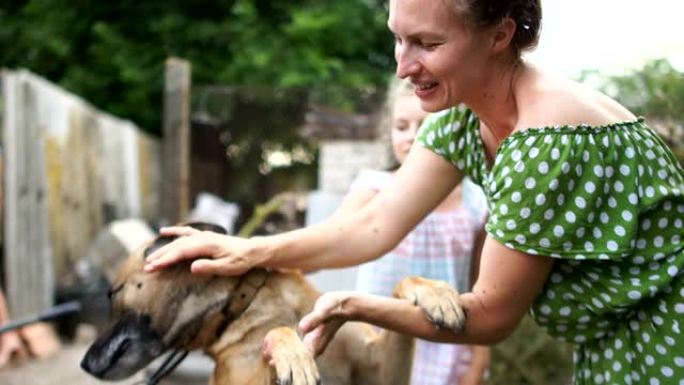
397 88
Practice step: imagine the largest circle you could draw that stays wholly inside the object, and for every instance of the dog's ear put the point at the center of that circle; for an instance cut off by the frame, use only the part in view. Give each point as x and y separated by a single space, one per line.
207 227
166 239
158 243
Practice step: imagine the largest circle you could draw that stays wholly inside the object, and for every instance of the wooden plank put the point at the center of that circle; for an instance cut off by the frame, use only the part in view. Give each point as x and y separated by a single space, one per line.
112 174
55 201
176 142
150 172
131 175
29 275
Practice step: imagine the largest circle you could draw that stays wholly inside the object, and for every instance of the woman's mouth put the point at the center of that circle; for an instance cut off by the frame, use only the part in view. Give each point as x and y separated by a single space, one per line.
425 89
425 86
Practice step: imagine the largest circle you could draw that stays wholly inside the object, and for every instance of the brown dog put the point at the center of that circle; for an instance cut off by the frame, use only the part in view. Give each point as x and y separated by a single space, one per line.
231 317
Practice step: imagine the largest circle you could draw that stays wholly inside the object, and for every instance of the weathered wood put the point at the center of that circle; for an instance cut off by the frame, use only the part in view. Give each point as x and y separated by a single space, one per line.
69 169
149 155
176 142
29 270
113 174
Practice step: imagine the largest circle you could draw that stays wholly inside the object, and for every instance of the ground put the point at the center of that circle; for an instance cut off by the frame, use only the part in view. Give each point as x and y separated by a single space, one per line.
60 369
64 368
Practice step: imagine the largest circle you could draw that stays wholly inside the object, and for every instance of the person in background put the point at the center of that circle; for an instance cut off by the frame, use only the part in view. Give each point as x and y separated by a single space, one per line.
444 246
11 347
586 204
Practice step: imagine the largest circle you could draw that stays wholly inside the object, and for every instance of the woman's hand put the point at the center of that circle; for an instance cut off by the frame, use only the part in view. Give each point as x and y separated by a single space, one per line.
328 315
211 253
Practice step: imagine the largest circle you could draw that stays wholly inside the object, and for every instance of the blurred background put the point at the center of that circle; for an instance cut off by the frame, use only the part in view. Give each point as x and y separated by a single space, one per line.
119 117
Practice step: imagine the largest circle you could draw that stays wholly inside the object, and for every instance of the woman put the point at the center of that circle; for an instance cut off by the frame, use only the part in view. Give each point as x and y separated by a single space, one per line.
444 246
586 204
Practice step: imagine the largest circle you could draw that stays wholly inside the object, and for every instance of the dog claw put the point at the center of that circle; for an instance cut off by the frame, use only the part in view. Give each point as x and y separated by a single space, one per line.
292 361
438 300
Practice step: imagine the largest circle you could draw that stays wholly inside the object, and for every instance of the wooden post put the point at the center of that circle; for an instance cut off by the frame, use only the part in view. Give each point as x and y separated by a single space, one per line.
176 142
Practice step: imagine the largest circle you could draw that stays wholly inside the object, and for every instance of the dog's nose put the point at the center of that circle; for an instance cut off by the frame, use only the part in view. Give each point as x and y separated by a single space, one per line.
101 357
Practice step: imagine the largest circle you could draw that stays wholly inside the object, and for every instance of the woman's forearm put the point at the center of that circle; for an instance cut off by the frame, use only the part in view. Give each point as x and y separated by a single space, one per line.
481 327
309 248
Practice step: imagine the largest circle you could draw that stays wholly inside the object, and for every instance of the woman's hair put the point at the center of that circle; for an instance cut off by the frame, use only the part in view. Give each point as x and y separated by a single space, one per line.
526 14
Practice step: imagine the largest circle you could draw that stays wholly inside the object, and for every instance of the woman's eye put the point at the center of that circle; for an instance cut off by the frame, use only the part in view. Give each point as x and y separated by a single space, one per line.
428 45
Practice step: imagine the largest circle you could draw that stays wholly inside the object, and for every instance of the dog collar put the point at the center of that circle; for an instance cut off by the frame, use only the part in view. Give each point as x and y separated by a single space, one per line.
245 291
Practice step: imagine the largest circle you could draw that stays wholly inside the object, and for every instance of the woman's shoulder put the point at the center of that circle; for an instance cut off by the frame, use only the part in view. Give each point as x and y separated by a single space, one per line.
547 100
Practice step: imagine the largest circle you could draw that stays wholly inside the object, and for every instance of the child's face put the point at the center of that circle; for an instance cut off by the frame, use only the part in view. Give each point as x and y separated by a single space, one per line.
407 116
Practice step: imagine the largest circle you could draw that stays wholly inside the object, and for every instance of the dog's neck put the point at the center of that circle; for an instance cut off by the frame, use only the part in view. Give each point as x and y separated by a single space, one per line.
239 299
284 298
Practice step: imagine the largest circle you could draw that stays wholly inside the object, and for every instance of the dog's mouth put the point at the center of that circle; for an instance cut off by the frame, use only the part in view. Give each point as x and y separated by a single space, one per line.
127 347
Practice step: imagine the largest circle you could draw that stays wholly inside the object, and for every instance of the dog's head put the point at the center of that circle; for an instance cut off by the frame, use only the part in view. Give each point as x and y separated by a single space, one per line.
155 312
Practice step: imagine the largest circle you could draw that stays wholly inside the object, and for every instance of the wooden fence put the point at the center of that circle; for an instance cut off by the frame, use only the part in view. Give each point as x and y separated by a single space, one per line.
69 169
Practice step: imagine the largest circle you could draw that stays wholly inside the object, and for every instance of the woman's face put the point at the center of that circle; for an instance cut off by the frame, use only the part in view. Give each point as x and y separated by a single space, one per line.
437 51
407 116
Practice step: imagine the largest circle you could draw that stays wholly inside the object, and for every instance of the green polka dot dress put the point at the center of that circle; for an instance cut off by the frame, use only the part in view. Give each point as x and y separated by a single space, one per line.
607 203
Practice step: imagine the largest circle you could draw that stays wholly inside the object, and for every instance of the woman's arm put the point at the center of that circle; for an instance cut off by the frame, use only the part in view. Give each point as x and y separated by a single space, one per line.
355 200
476 256
343 240
508 283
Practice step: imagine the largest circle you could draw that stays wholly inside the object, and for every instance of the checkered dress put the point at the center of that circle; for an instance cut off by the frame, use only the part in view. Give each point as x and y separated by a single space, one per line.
440 247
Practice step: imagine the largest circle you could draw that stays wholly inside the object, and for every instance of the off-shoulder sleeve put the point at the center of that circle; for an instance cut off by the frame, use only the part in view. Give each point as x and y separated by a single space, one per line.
452 134
568 194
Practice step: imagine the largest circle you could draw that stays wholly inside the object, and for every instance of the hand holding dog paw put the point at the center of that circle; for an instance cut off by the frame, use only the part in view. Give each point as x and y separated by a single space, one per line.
438 299
292 361
327 316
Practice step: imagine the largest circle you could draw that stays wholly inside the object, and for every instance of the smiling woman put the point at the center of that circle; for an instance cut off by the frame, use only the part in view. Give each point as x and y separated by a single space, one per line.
585 200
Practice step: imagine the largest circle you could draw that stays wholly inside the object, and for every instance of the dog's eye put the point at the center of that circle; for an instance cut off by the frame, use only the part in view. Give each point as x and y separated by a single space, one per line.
112 292
139 285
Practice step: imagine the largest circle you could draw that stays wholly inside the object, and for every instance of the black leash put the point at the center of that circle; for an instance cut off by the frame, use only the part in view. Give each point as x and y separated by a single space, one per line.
47 315
170 363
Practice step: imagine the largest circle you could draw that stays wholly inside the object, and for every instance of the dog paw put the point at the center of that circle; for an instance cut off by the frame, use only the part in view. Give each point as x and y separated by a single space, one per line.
292 361
438 299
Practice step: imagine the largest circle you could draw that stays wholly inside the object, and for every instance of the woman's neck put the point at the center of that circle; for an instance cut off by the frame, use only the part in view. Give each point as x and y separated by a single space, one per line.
495 104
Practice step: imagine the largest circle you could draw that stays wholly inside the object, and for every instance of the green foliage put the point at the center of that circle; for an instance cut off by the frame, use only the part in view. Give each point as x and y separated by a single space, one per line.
112 53
655 91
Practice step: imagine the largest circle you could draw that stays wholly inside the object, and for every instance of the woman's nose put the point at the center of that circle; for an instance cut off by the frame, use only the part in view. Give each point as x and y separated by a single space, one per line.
406 64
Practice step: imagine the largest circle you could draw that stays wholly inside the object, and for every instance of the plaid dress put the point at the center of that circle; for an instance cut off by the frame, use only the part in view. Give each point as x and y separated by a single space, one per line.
440 247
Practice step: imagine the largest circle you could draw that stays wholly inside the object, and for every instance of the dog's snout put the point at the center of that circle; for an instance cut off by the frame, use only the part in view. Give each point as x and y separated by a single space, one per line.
123 350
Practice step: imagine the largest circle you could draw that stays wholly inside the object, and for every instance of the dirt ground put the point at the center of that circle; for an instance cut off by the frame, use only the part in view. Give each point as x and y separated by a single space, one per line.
60 369
64 368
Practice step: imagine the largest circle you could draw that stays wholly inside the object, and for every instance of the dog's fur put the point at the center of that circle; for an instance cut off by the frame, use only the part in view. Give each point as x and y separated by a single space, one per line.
174 309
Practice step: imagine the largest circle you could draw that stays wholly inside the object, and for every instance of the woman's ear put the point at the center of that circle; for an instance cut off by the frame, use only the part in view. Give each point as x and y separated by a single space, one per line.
503 35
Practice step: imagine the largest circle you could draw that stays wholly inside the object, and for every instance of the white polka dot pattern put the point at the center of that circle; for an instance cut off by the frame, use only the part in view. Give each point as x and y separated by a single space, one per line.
608 203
